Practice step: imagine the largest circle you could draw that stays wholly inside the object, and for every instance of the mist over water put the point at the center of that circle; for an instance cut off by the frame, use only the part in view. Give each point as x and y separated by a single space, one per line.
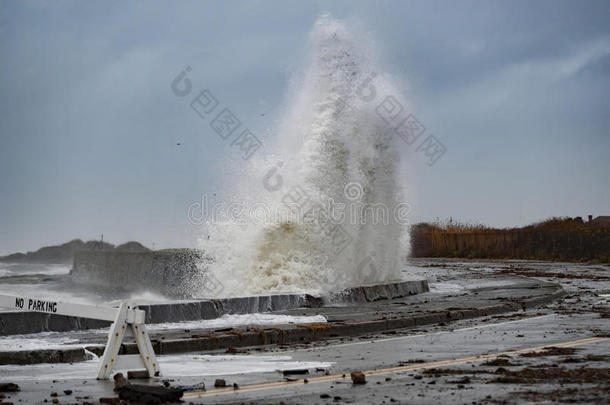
332 154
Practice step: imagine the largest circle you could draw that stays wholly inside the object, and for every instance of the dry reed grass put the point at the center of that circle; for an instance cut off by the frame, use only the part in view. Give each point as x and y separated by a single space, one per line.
553 239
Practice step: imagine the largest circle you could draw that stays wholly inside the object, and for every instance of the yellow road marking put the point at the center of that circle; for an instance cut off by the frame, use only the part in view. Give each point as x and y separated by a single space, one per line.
382 371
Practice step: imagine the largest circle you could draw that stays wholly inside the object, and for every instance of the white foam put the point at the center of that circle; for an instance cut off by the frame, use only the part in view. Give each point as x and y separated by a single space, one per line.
445 288
20 269
227 321
330 139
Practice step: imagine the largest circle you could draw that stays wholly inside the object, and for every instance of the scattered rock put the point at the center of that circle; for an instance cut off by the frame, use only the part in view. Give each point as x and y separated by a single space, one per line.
579 395
552 351
9 387
219 383
137 374
235 386
112 401
413 361
358 377
588 357
120 381
500 362
296 371
464 380
145 394
533 375
324 396
437 372
68 392
54 394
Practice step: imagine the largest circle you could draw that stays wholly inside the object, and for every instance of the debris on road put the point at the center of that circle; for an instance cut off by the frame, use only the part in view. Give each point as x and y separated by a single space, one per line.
532 375
500 362
358 377
119 381
463 380
146 394
296 371
137 374
9 387
552 351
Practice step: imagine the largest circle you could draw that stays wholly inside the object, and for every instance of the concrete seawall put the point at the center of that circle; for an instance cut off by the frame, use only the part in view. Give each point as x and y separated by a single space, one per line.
19 322
173 273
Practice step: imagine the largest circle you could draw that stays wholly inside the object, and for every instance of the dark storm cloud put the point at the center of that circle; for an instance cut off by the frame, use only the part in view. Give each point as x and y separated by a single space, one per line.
517 91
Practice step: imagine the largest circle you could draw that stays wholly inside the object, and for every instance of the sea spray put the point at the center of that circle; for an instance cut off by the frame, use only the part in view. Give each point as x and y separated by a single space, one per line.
318 211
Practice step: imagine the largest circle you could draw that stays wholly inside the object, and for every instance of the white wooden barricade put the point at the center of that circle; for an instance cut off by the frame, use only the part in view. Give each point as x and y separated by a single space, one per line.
126 320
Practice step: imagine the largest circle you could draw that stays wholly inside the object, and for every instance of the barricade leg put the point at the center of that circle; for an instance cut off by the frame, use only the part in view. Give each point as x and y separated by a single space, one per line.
146 350
113 344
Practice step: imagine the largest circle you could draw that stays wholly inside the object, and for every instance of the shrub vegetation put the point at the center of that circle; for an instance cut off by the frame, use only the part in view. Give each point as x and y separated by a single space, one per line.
568 239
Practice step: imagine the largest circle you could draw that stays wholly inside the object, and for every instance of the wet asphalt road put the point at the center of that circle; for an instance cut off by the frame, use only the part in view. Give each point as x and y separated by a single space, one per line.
411 384
565 378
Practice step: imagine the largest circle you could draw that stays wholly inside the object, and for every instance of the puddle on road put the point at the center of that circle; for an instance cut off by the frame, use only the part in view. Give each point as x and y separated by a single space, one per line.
171 366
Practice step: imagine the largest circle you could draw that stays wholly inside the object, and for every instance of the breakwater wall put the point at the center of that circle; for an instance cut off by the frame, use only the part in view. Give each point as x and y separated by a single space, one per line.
175 273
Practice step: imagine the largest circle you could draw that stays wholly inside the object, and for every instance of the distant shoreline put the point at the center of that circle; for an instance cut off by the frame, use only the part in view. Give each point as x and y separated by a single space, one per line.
64 253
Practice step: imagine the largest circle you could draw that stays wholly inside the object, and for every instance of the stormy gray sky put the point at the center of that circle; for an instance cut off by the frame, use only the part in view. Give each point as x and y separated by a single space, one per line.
517 91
